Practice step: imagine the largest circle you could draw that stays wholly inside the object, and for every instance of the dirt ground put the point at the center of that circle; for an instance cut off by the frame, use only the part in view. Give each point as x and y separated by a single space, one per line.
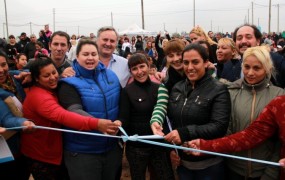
126 170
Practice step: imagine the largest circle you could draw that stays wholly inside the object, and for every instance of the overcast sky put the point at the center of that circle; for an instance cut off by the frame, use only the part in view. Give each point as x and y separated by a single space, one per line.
85 16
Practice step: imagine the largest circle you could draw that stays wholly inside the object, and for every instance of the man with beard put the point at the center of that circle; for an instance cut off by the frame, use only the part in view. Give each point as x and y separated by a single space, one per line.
246 36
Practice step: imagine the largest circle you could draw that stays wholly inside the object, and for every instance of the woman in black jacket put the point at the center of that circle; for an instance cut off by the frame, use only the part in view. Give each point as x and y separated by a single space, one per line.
198 107
139 44
136 105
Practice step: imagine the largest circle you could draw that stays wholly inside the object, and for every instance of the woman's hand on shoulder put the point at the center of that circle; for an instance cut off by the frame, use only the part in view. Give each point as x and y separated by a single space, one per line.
24 76
68 72
159 76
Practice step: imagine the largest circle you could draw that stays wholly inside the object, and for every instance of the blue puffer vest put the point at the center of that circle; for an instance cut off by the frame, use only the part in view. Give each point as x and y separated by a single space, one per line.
100 91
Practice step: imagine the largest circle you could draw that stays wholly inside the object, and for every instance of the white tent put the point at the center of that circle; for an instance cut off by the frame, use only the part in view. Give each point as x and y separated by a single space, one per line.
134 29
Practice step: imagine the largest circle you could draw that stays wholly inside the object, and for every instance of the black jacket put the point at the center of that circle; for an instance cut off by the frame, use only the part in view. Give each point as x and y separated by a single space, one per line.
136 105
139 46
160 51
202 112
279 65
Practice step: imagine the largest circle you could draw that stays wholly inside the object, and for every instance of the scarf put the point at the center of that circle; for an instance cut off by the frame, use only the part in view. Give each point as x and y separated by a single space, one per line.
10 86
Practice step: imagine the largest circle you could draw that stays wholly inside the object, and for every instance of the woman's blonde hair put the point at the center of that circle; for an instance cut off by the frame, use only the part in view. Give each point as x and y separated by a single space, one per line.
229 42
263 56
200 32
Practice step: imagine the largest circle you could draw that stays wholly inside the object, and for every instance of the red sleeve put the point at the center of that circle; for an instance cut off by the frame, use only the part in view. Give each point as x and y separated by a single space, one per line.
48 107
261 129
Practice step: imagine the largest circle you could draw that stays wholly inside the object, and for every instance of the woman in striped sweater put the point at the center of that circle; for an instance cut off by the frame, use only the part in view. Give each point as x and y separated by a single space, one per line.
173 51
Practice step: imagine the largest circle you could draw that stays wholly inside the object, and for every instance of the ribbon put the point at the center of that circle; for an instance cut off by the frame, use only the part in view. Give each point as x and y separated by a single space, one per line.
143 139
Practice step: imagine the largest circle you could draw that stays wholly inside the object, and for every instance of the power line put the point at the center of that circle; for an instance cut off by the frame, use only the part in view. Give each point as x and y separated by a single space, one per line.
81 20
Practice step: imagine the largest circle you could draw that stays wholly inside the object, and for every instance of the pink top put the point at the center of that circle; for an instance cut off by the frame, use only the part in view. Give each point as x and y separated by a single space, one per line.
43 51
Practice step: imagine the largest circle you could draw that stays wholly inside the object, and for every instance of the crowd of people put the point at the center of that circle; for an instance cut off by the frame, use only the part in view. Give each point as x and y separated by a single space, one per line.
189 89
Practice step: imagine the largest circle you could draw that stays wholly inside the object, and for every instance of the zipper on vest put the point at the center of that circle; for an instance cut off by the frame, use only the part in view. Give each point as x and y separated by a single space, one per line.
185 101
104 97
251 120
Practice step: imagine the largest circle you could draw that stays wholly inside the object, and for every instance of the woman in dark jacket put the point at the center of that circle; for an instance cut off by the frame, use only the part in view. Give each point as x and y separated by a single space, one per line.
198 107
136 106
139 44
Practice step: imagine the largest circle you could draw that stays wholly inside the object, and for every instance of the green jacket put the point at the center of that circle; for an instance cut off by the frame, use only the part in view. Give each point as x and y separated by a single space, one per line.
247 103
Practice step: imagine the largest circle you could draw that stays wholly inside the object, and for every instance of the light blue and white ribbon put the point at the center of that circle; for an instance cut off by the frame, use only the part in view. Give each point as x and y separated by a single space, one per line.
147 139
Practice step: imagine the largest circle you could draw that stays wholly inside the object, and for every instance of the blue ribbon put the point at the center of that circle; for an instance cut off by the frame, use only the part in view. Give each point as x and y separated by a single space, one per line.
143 139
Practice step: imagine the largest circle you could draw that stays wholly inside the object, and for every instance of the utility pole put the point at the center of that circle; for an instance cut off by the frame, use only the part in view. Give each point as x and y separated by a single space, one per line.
30 27
193 13
6 20
78 31
142 14
248 16
269 17
251 12
3 29
278 18
53 19
111 19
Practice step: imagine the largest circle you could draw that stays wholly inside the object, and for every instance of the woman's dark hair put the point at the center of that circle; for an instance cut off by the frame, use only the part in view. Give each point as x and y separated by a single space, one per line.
199 48
83 42
211 55
127 52
136 59
3 54
40 44
19 55
37 65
